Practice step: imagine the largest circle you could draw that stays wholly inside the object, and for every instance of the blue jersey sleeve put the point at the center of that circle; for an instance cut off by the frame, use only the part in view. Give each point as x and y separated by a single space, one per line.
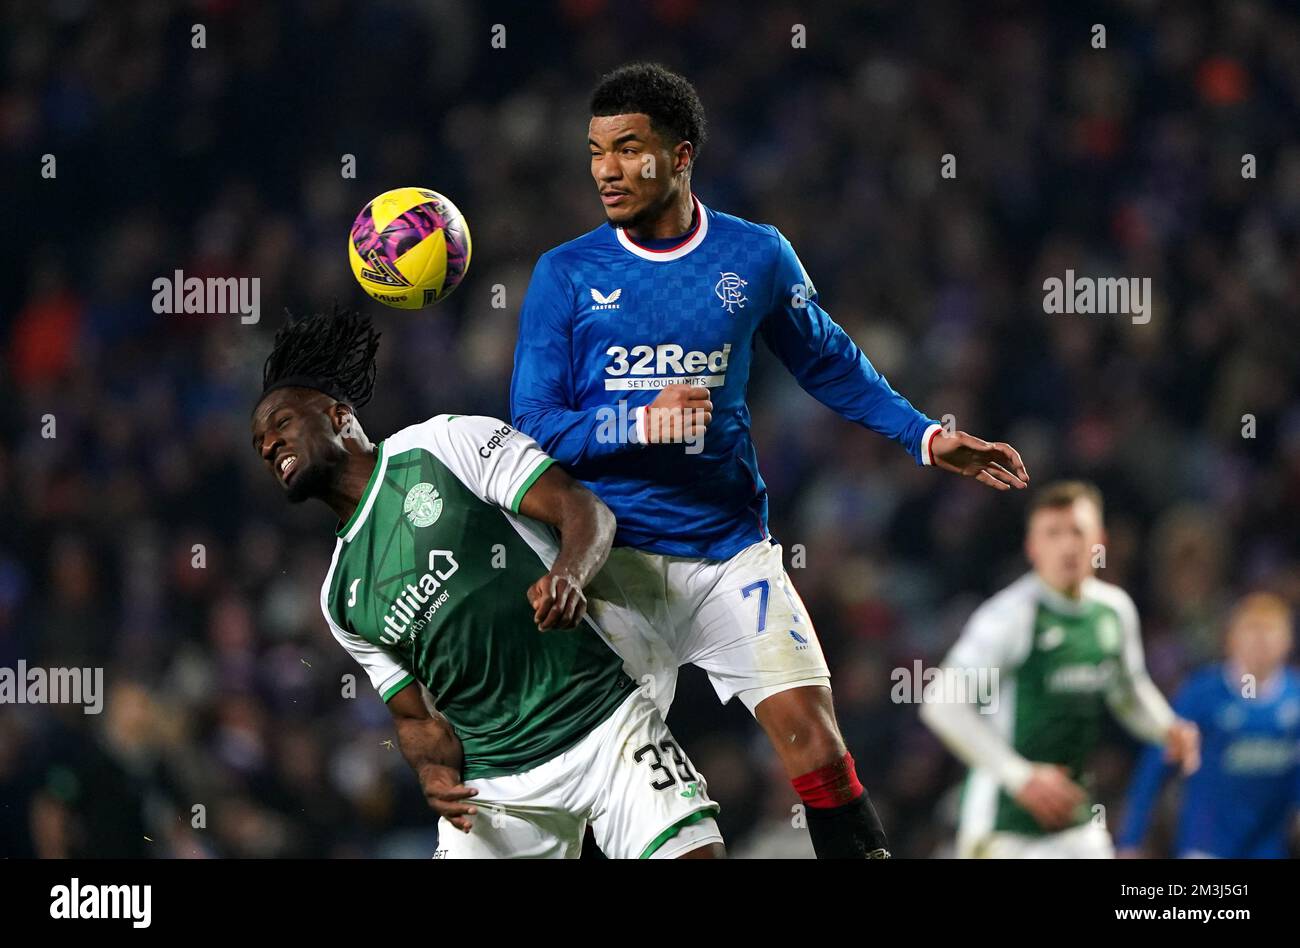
1295 771
1149 777
1144 790
1295 784
541 389
828 364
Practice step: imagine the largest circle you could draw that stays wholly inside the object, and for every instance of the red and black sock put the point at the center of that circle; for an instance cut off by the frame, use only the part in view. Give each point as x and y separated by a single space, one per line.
841 820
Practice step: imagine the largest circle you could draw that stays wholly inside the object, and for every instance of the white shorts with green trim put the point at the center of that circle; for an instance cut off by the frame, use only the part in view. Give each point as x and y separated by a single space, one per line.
740 620
1086 841
628 778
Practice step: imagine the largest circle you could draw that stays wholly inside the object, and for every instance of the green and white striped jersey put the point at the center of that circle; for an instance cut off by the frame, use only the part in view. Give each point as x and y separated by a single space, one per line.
428 584
1062 665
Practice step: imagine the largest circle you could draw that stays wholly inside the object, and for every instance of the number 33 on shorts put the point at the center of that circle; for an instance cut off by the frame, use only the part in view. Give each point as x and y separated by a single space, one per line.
663 776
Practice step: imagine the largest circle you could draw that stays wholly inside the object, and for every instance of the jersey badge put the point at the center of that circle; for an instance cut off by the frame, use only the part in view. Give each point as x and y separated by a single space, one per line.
423 505
731 290
1050 638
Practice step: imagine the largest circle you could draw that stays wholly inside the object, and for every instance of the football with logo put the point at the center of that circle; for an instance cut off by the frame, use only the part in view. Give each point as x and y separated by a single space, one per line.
409 248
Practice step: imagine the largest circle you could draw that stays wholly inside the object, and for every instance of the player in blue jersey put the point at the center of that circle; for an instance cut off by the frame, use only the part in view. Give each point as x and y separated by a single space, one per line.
635 344
1242 803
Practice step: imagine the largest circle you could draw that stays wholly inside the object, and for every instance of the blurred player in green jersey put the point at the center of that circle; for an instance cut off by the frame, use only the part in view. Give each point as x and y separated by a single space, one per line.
1066 649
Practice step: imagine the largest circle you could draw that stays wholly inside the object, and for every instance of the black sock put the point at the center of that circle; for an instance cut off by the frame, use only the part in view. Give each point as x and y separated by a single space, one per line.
851 831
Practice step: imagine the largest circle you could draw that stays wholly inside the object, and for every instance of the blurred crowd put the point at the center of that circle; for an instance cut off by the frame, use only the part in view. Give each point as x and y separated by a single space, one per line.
141 533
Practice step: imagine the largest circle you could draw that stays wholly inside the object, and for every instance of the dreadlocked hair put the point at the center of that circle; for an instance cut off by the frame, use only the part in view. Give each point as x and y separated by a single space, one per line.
331 352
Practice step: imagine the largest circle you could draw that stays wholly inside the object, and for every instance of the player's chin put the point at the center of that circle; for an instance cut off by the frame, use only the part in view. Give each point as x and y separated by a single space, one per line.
305 483
623 216
1072 577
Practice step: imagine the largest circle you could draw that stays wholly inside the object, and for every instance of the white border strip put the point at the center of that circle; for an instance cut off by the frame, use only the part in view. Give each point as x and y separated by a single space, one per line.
666 255
370 498
641 434
927 456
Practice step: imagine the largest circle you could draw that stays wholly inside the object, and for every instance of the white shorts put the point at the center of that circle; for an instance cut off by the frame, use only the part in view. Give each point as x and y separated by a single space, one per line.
628 778
740 620
1085 841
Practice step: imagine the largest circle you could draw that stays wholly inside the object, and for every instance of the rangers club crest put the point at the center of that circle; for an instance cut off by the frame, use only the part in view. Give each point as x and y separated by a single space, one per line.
731 290
423 505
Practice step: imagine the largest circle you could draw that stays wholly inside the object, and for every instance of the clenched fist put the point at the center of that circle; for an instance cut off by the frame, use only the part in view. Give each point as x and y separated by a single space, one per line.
679 413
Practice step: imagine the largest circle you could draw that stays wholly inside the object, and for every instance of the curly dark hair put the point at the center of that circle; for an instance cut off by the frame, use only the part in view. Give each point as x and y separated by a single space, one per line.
669 100
331 352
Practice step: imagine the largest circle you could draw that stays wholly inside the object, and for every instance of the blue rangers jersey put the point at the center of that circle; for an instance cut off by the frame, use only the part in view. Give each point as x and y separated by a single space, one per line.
1241 801
608 322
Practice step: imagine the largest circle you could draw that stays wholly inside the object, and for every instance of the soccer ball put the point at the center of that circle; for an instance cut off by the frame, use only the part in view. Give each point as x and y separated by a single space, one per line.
409 248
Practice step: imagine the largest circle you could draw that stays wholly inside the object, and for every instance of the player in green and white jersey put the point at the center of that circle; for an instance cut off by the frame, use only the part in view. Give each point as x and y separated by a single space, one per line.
445 529
1066 650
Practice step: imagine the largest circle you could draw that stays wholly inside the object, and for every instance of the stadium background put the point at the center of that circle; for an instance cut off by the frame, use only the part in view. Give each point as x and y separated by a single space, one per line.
223 685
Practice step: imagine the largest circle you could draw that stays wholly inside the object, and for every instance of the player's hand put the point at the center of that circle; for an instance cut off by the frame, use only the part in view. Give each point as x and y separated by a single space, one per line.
1050 796
558 602
679 413
1129 852
447 796
995 464
1183 746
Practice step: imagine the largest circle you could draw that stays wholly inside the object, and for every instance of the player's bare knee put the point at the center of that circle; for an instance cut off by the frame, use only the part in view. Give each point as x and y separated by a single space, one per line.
801 726
809 747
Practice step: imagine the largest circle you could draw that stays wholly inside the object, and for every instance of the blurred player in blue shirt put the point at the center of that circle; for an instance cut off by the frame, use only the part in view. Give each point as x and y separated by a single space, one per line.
634 352
1243 801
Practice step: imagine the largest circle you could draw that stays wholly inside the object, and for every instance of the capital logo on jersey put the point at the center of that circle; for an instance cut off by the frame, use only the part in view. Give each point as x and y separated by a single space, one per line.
606 302
423 505
731 290
1050 638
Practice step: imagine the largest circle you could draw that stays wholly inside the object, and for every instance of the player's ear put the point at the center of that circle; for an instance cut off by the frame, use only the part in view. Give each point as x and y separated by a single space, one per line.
342 419
682 156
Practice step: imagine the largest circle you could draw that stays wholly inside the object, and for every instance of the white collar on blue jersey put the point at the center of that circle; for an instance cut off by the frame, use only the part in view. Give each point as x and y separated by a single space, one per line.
693 240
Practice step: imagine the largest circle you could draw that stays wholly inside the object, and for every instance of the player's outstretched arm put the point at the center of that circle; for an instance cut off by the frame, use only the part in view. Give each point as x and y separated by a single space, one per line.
435 754
1144 792
828 364
586 528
